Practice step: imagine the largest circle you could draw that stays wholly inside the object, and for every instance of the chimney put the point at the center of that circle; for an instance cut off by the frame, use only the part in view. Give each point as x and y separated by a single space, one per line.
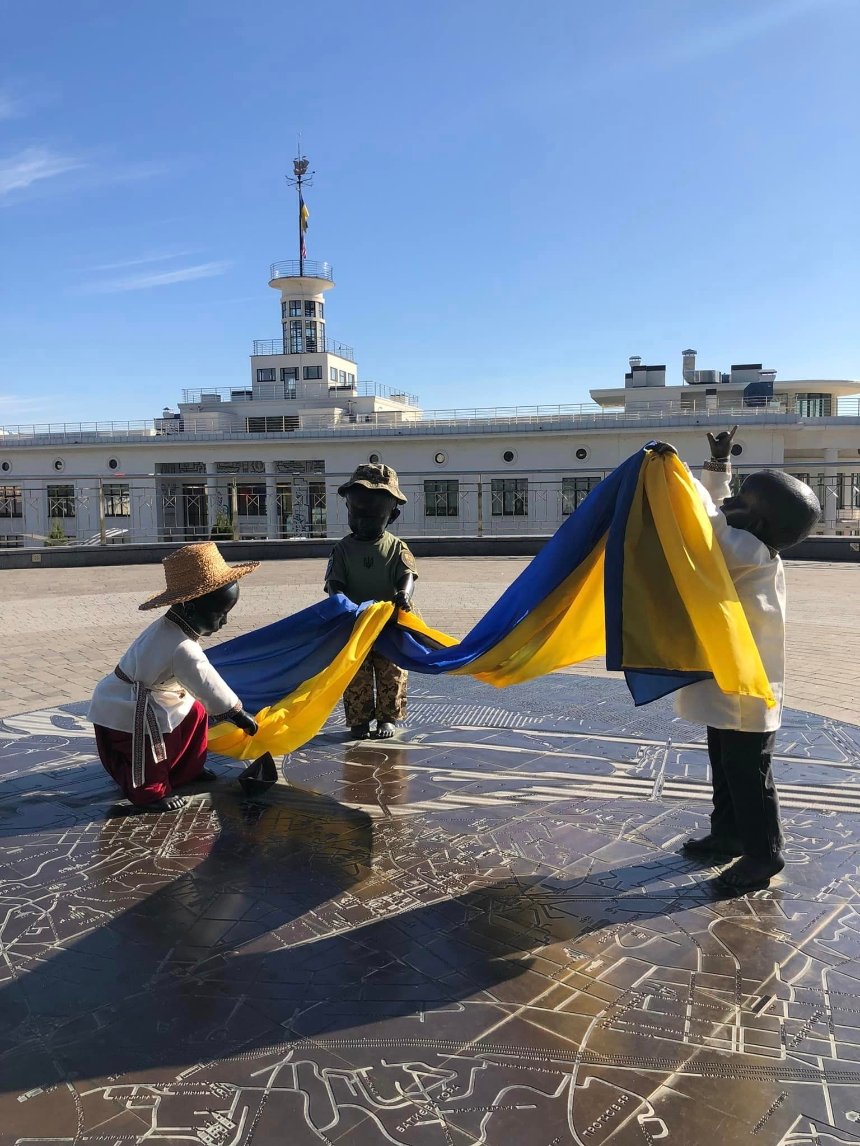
688 366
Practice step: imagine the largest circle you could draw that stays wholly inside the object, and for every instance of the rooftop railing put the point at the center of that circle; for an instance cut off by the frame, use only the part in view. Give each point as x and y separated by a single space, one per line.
290 391
462 420
325 344
307 268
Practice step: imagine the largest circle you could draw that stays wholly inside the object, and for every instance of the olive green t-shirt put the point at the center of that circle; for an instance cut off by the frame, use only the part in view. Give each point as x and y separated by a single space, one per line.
370 570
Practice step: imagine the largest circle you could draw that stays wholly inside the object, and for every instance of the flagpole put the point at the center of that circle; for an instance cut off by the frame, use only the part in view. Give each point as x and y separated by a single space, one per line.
300 177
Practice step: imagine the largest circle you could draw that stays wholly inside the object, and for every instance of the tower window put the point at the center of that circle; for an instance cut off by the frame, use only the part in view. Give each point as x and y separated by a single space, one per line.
296 344
311 337
295 307
310 310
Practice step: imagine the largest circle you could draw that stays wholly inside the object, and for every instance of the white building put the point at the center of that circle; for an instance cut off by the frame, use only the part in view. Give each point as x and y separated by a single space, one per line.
264 459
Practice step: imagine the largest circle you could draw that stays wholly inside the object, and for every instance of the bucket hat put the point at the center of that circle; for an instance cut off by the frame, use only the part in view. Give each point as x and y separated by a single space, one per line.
194 570
373 475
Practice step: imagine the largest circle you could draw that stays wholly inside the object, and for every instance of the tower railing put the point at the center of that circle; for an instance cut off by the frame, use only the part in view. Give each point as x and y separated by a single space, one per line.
325 344
307 269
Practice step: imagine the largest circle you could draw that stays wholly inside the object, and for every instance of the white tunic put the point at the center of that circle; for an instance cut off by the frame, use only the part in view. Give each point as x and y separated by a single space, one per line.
171 664
760 583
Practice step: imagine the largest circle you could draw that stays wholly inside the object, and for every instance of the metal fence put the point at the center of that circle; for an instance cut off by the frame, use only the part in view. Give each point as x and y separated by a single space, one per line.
216 426
171 508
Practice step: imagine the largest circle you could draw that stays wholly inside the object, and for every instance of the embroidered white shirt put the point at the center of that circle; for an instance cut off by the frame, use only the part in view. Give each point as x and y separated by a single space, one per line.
175 668
759 580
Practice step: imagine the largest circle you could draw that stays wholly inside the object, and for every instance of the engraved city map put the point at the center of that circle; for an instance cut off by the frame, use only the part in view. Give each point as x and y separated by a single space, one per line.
481 932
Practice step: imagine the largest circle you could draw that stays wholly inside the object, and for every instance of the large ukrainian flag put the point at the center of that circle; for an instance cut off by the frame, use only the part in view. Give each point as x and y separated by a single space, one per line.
635 573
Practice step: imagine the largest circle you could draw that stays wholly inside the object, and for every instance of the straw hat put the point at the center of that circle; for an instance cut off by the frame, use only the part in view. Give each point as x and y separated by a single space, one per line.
373 475
194 570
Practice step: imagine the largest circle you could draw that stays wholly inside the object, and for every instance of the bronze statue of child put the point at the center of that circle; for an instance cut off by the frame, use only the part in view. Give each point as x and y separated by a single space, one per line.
151 713
371 564
771 512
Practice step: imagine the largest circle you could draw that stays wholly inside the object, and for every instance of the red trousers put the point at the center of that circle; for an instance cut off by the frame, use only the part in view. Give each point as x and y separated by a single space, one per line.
186 755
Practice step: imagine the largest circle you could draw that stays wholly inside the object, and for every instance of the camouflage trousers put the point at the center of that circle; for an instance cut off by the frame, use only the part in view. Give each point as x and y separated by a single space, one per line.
389 704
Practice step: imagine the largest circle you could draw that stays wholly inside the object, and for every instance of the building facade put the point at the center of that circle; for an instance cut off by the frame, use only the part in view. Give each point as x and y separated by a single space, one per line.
264 459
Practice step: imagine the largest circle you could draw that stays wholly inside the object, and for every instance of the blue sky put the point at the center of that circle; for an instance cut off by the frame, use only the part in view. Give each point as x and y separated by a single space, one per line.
514 197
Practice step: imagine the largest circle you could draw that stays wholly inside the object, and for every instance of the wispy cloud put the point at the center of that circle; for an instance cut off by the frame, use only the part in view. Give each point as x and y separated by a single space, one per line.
144 260
15 406
21 171
720 37
164 278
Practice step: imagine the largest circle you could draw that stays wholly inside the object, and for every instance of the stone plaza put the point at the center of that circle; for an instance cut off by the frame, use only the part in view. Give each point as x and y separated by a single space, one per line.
480 933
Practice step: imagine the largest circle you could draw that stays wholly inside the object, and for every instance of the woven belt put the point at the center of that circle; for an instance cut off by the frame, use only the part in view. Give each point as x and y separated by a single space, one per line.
144 717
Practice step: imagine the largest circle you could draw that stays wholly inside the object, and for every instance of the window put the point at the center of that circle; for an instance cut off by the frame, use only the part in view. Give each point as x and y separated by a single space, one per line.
273 424
332 374
290 380
295 307
310 310
341 378
574 491
296 344
581 454
116 501
321 306
266 374
10 501
284 312
813 405
509 456
510 497
313 372
351 380
440 458
311 337
442 498
316 501
61 500
374 459
251 500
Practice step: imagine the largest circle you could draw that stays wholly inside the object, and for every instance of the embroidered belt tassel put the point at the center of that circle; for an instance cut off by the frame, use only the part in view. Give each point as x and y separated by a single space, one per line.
144 718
